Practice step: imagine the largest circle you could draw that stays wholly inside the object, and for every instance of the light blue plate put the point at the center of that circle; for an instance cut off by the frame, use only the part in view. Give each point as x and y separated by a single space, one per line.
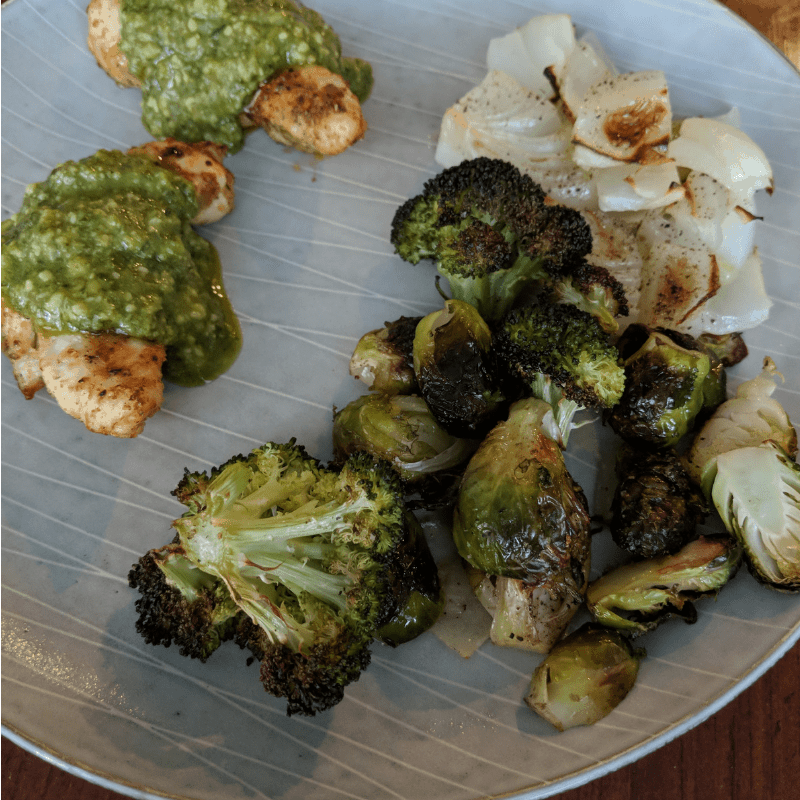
309 267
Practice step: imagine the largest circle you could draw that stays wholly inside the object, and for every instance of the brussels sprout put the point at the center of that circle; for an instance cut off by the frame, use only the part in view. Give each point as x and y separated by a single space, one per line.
669 381
656 508
402 430
656 588
452 362
757 493
525 616
748 419
383 358
425 600
519 513
585 677
729 348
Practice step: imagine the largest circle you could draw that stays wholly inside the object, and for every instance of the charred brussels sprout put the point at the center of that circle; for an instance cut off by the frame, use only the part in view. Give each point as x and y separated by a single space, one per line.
656 507
518 512
743 457
453 365
402 430
728 348
383 359
420 586
636 598
669 381
584 677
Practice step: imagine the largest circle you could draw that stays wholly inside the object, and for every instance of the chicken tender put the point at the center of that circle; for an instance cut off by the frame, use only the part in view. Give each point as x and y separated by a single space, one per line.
104 36
309 108
20 343
200 163
111 382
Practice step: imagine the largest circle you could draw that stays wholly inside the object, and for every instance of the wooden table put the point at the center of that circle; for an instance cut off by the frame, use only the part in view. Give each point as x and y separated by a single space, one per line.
748 751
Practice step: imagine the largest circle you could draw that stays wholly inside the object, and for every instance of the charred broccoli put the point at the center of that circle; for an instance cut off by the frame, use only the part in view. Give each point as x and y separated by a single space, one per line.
299 563
595 290
562 355
489 230
181 604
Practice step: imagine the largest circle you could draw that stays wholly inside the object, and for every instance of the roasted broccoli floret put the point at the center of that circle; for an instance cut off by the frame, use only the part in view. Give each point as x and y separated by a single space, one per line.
304 562
182 605
561 354
595 290
490 232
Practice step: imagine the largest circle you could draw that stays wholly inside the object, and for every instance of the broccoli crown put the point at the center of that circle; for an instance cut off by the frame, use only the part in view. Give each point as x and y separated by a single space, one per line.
308 556
596 290
565 344
181 604
490 231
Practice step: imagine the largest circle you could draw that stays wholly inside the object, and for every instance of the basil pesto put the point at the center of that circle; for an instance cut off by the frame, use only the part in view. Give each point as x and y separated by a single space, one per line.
201 61
105 244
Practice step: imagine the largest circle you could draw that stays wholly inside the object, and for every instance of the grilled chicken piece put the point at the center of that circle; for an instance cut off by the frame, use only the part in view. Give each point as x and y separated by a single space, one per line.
103 41
200 163
309 108
19 343
111 382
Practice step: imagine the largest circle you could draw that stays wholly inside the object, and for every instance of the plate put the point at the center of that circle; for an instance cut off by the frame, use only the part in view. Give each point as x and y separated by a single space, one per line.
309 268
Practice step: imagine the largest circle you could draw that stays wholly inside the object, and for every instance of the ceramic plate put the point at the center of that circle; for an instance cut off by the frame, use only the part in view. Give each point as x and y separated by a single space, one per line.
309 268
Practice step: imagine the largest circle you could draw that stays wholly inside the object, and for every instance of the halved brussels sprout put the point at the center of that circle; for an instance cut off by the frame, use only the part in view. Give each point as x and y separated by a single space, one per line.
524 615
585 677
423 599
637 597
748 419
757 493
669 381
656 508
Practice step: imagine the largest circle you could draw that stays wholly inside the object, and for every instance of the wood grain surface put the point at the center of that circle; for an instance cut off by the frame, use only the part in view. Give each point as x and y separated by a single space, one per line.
750 750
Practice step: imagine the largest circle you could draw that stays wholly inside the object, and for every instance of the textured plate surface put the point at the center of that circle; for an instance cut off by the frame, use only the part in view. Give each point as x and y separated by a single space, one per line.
309 269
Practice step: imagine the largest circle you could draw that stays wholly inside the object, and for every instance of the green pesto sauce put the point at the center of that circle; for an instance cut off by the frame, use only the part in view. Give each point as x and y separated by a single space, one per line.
201 61
105 244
